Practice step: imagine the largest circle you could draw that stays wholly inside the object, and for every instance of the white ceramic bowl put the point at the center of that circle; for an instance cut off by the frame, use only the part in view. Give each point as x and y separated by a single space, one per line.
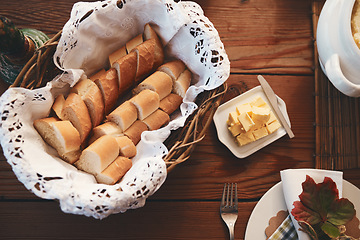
338 53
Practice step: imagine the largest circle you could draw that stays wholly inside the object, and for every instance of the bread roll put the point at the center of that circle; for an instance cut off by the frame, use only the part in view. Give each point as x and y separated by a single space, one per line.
126 146
159 82
124 115
97 74
126 70
182 83
76 112
109 86
145 59
91 95
60 135
107 128
149 33
115 171
146 102
98 155
130 45
173 68
156 120
58 105
135 130
121 52
171 103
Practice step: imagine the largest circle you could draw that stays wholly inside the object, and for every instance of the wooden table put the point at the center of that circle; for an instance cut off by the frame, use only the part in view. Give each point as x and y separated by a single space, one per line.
269 37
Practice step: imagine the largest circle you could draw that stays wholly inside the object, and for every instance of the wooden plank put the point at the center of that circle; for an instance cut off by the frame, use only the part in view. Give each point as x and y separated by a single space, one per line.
212 164
33 219
259 37
264 36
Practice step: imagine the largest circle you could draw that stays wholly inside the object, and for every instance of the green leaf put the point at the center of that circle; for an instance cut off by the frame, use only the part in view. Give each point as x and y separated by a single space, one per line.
331 230
321 207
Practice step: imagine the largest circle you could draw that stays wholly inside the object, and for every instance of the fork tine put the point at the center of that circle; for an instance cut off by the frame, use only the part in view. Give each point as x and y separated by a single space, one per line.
236 196
223 197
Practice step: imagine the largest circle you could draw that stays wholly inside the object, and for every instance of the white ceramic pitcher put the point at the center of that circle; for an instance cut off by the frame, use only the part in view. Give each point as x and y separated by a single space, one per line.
338 53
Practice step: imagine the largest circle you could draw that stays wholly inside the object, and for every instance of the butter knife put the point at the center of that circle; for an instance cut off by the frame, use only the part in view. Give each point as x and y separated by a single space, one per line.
274 103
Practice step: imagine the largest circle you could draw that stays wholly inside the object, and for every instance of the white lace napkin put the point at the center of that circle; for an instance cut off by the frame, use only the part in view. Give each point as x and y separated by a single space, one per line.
292 180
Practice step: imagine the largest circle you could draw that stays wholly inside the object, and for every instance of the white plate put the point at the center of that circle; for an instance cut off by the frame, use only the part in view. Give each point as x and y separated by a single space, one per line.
221 116
273 201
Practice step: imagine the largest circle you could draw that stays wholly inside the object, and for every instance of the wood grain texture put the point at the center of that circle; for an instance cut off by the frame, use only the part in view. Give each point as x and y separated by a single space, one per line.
269 37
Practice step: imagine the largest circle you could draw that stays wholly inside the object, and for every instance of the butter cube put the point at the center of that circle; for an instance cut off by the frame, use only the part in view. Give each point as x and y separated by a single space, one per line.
272 118
260 133
244 108
259 102
246 121
236 129
260 114
233 118
272 127
258 124
245 138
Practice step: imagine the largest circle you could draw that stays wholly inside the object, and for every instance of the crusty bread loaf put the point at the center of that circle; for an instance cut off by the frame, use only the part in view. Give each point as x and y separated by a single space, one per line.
97 74
146 102
98 155
159 82
58 106
121 52
91 95
173 68
126 70
107 128
149 33
182 83
135 130
126 146
124 115
145 59
76 112
156 120
109 86
131 44
60 135
115 171
171 103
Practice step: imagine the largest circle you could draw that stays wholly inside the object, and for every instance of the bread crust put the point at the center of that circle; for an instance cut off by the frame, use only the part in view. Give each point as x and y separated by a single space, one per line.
173 68
126 146
170 103
109 87
121 52
124 115
126 70
76 112
58 105
93 98
107 128
146 102
145 59
156 120
159 82
149 33
60 135
135 130
182 83
97 74
134 42
98 155
115 171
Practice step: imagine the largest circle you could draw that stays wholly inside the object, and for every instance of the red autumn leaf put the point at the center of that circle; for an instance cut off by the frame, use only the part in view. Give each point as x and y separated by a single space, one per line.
320 205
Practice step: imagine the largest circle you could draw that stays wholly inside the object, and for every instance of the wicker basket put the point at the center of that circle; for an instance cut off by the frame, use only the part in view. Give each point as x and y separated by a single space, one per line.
39 70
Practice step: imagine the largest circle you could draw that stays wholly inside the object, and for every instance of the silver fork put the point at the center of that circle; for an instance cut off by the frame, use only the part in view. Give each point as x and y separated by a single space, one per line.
229 207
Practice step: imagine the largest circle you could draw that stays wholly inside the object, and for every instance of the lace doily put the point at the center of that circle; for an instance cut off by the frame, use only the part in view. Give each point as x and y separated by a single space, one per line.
93 31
